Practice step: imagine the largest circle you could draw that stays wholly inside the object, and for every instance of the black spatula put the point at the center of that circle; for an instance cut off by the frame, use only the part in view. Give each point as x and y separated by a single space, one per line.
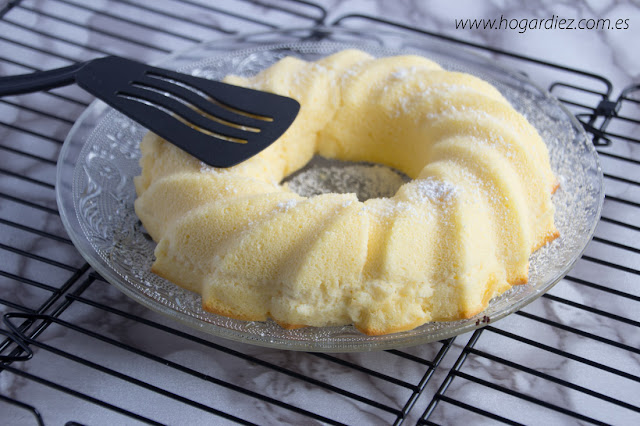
215 122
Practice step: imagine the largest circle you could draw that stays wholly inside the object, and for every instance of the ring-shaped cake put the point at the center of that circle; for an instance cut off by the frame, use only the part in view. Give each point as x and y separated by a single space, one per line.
455 236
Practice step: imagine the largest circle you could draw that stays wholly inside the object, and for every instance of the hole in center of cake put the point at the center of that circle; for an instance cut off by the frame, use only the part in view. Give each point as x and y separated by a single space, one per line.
327 175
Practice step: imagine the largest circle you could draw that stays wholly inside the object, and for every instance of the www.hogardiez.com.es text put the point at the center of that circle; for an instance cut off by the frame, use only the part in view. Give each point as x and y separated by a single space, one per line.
553 23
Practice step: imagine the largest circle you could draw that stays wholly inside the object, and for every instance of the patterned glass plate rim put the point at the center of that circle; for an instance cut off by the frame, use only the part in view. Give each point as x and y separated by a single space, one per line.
98 160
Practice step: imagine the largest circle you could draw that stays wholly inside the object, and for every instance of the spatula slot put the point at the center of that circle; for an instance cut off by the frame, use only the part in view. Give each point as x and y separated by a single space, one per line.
208 97
193 107
181 119
199 121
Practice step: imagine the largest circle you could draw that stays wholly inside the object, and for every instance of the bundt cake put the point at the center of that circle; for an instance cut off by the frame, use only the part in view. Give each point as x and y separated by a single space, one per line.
457 234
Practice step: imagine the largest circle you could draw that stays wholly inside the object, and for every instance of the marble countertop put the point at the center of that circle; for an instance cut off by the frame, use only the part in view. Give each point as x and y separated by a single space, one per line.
100 358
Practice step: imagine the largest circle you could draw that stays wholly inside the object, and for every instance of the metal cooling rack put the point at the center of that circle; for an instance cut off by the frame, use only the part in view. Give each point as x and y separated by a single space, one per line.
55 306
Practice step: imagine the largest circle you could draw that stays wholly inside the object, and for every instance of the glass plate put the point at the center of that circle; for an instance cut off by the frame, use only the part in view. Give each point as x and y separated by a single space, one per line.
99 159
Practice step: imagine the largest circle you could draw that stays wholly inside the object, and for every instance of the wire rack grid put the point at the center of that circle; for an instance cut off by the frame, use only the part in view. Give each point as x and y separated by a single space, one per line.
69 339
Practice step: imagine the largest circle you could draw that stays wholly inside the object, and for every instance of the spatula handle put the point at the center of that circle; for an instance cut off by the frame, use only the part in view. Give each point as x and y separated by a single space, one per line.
41 80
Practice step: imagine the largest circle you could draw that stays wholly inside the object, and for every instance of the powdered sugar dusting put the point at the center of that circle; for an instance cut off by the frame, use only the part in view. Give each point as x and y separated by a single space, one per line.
402 73
313 69
433 190
331 176
288 204
205 168
415 100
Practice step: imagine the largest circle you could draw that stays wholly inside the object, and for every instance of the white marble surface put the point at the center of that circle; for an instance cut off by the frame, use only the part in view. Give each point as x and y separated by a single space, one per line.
590 355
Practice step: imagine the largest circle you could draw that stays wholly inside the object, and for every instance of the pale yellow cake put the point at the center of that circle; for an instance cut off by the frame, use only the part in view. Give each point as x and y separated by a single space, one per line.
455 236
